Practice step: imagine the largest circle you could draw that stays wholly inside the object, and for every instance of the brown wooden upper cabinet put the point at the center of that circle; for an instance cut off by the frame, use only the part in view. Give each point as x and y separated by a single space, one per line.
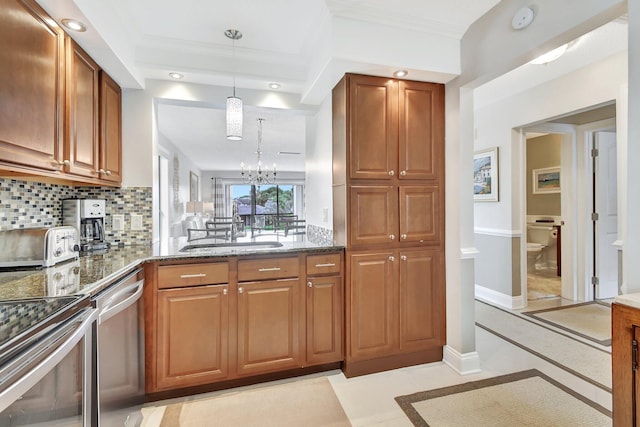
81 124
60 115
31 87
395 127
110 130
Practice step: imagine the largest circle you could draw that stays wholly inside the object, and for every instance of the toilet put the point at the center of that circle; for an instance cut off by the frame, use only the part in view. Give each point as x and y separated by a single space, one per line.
541 246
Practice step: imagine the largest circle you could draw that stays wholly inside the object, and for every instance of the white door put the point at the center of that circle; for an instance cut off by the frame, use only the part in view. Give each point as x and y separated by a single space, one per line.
606 227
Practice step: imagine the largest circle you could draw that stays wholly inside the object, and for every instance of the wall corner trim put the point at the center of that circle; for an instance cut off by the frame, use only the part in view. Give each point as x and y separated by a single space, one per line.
497 232
468 253
500 299
463 364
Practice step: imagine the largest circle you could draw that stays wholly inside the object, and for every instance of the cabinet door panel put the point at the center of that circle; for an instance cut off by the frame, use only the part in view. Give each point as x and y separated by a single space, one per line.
110 129
373 309
374 122
268 326
421 130
82 112
31 87
324 319
373 214
421 300
192 336
420 219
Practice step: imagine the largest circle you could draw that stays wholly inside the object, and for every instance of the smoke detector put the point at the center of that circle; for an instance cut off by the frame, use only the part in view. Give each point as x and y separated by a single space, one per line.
522 18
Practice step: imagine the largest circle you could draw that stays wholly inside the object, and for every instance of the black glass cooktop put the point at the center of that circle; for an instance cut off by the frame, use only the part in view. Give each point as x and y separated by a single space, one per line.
21 320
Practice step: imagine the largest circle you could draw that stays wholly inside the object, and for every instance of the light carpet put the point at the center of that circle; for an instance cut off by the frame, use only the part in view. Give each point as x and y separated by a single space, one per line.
583 360
590 320
306 403
528 398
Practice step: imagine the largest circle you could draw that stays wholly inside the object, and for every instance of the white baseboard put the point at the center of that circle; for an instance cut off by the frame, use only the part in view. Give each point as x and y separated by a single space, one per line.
498 298
464 364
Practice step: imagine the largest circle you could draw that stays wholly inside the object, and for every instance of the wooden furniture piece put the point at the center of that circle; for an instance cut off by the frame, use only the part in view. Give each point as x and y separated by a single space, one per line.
388 194
625 327
240 317
60 115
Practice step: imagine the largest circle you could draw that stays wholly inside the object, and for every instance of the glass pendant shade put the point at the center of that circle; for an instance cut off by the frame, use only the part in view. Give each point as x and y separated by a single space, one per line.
234 118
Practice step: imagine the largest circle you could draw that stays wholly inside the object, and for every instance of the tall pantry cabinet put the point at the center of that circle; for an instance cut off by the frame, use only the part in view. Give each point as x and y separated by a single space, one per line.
388 196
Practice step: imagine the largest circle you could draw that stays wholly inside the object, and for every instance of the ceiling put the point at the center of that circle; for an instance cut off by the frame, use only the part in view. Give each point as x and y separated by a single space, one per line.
301 44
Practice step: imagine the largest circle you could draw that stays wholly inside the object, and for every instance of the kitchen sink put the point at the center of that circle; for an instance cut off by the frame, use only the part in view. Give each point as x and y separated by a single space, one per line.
242 245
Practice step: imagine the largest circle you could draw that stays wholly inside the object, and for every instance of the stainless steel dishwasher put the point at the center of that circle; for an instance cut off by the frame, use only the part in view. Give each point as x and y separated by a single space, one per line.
119 352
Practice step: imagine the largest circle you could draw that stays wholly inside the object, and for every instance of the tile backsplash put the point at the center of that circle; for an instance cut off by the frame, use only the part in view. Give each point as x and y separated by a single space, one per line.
319 235
26 204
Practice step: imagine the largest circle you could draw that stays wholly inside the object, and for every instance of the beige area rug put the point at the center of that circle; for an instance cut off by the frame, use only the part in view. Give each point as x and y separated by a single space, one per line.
527 398
305 403
590 320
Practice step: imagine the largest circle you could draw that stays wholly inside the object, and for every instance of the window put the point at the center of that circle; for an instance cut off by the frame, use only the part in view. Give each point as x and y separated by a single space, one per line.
259 205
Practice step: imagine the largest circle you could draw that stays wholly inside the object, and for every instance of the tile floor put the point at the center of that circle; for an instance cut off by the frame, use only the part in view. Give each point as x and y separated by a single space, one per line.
369 400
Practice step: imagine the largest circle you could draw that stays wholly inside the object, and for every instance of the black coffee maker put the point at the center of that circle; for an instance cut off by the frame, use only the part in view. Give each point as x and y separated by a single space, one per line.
87 216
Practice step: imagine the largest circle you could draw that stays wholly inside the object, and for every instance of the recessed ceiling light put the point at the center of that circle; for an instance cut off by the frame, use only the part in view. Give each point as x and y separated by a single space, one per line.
74 25
550 56
176 76
274 85
400 73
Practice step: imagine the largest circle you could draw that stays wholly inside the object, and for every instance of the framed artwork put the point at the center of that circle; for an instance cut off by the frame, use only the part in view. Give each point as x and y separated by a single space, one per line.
485 175
546 180
193 187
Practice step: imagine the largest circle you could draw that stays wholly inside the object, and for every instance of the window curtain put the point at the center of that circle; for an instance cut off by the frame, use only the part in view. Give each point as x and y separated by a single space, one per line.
217 197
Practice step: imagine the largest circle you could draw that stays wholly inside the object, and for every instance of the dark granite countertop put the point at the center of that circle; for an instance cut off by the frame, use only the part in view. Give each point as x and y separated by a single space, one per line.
92 273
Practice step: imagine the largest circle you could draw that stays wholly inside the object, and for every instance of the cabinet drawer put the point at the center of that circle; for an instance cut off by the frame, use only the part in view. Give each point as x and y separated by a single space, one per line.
261 269
323 264
178 276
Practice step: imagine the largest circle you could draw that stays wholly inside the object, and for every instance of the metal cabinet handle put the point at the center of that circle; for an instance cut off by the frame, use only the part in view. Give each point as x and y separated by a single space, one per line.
403 257
269 269
392 258
329 264
189 276
403 236
392 172
224 291
108 172
240 290
392 236
104 172
64 163
403 173
310 284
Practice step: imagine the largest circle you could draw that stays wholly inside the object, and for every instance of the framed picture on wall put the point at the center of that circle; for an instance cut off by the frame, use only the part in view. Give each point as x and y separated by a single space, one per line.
193 187
546 180
485 175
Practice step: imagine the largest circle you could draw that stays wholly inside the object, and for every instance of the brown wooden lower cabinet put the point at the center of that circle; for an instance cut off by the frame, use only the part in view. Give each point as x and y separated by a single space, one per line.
324 319
233 319
625 326
192 336
268 326
395 309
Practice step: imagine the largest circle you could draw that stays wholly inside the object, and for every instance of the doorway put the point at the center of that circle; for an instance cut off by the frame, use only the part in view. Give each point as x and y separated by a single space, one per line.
587 226
543 215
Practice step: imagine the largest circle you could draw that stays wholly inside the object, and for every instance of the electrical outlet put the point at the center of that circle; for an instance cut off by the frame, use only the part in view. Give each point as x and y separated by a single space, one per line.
136 222
117 222
325 214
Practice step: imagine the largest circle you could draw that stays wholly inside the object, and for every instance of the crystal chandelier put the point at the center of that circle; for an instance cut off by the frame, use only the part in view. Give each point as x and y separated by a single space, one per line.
234 104
261 175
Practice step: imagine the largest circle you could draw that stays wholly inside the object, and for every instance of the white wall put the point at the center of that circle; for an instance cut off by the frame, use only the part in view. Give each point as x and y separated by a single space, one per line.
180 168
318 168
490 48
494 126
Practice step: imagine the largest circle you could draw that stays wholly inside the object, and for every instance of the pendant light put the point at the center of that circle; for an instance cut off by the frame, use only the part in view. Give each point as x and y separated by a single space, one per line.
234 104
